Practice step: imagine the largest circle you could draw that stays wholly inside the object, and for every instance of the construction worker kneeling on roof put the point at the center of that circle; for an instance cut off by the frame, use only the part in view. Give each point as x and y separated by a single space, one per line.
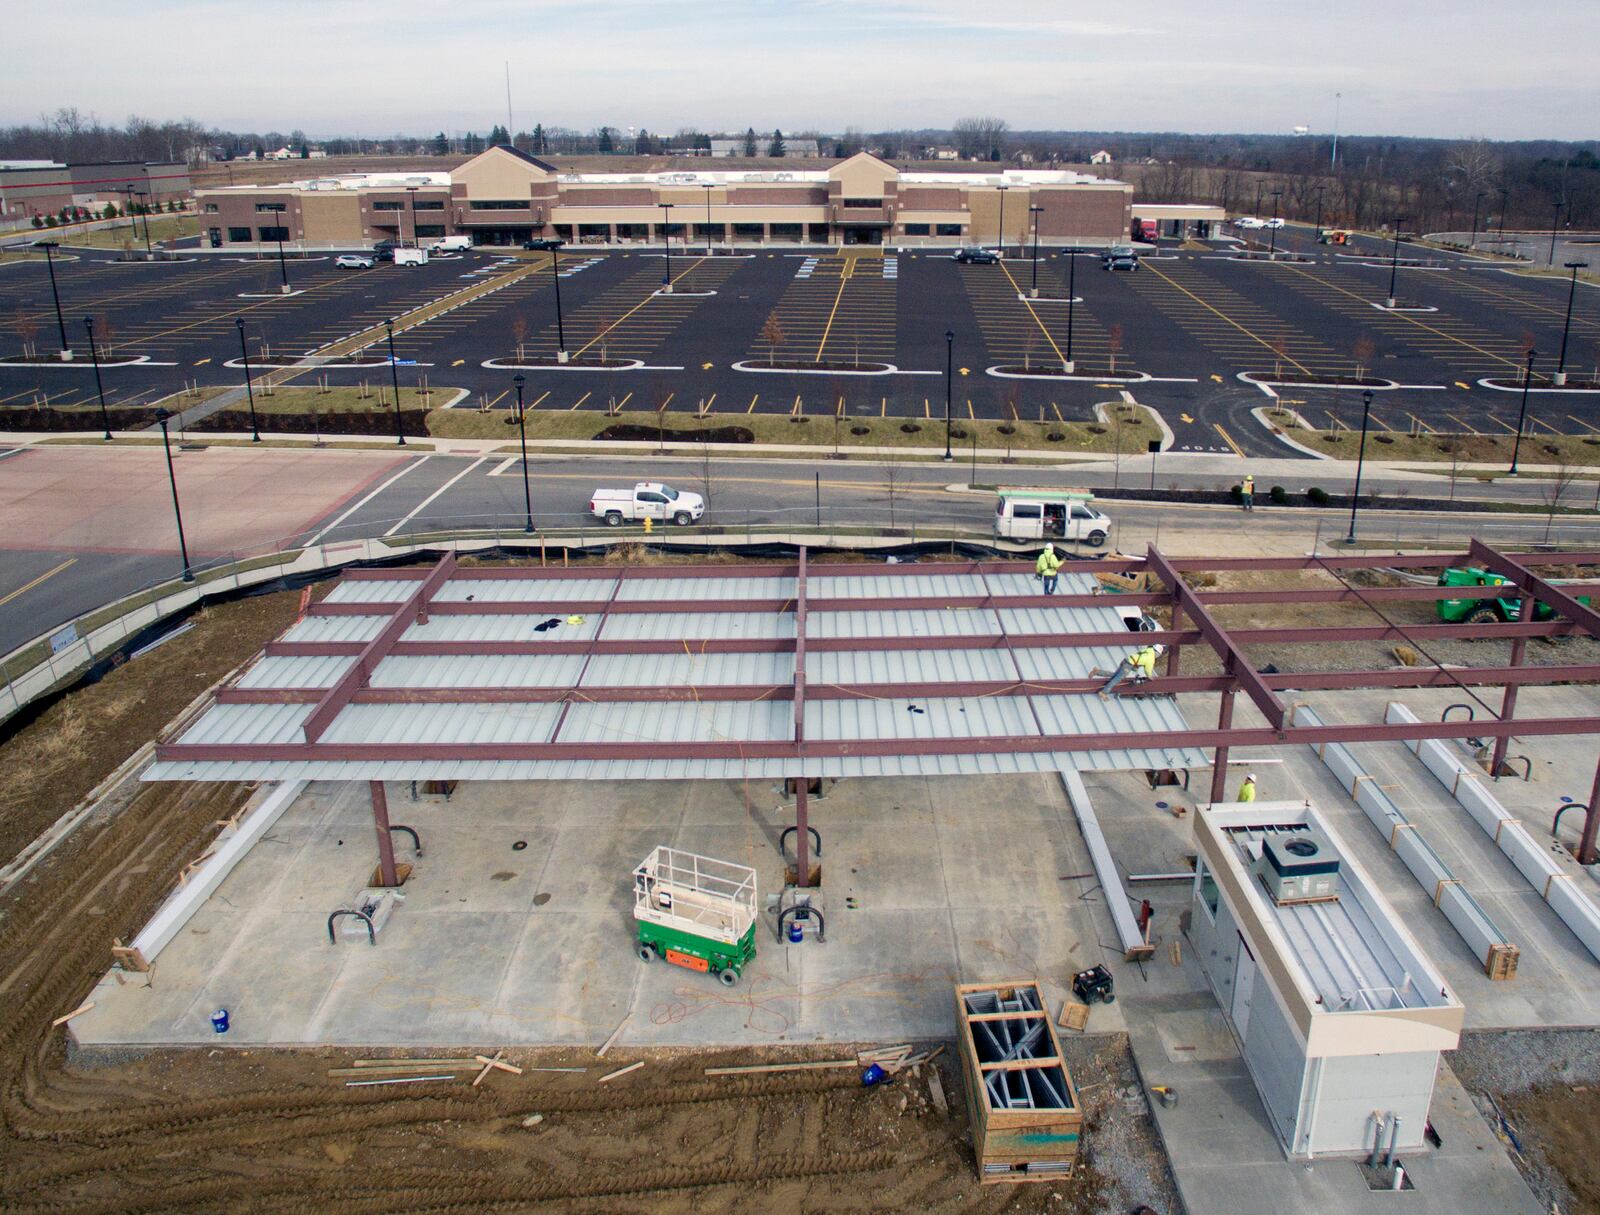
1048 567
1140 665
1247 791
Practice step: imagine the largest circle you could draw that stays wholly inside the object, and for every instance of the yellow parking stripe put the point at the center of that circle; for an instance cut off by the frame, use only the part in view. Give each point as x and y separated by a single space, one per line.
1228 439
28 586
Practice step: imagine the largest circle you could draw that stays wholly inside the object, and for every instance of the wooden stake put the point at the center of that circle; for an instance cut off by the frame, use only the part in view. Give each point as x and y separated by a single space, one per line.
621 1071
498 1062
76 1012
936 1091
809 1066
601 1053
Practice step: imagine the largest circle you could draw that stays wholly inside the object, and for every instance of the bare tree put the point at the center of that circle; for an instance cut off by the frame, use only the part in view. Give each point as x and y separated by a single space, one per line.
1363 350
1280 351
772 335
27 329
1114 345
981 138
704 471
1554 487
519 332
894 479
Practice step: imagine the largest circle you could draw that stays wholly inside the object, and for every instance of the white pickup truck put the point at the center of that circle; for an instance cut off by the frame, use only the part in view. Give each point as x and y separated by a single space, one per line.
646 500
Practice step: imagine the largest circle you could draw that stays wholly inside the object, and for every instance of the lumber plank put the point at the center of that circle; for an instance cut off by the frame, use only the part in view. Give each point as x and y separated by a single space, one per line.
76 1012
621 1071
756 1068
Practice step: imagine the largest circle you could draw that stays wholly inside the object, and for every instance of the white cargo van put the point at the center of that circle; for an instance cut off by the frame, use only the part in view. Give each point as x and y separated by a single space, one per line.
1023 513
646 500
411 257
451 244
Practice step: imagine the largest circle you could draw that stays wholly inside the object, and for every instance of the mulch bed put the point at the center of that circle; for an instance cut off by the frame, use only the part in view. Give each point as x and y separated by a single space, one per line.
650 434
26 418
376 422
797 365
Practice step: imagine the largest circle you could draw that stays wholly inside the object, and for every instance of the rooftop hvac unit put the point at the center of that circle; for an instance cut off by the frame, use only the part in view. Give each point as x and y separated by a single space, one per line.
1299 865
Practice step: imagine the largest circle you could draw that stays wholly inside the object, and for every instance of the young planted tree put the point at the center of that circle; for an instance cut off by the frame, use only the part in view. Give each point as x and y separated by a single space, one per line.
772 335
1363 351
1013 417
602 337
519 332
894 480
1280 351
1114 345
1555 486
27 329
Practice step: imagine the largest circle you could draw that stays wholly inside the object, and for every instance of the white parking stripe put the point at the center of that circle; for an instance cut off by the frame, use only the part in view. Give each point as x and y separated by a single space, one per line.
420 505
413 464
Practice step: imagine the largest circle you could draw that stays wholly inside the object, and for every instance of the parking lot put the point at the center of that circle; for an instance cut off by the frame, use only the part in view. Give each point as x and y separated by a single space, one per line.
861 331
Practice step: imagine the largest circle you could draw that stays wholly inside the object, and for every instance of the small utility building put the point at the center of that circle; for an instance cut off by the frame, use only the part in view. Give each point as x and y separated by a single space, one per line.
1339 1016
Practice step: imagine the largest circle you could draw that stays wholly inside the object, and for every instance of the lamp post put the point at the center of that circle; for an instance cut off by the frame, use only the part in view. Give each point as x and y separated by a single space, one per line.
1505 203
164 417
1318 232
949 364
1072 299
555 277
249 392
1555 224
1272 245
1035 212
1566 326
1522 413
1394 258
145 207
49 246
708 188
282 227
666 245
394 375
1472 243
94 357
522 432
1001 234
1361 455
411 205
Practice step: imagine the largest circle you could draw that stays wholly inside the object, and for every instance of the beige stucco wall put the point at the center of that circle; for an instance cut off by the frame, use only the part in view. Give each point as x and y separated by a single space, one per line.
863 176
690 214
331 216
497 175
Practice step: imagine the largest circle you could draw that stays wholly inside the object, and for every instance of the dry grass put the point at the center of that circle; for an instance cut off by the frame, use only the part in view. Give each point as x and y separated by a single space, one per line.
1466 449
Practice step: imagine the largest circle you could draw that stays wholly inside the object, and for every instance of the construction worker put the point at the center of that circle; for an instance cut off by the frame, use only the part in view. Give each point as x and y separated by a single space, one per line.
1247 495
1140 665
1048 567
1247 791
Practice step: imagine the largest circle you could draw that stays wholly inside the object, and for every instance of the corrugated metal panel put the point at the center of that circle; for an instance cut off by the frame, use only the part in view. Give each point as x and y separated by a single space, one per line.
1131 715
1065 662
479 671
379 591
247 724
916 622
336 628
711 721
706 589
1061 620
868 585
676 626
444 724
906 666
306 672
934 718
527 590
684 670
501 628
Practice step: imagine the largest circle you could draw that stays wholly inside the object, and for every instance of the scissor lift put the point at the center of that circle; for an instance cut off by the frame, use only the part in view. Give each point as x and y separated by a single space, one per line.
696 912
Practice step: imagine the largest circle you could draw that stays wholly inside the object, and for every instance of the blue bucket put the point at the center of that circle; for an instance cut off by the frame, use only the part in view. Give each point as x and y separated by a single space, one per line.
219 1020
796 933
873 1075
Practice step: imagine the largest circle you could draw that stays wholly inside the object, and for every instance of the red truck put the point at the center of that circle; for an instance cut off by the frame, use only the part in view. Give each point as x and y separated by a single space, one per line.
1144 229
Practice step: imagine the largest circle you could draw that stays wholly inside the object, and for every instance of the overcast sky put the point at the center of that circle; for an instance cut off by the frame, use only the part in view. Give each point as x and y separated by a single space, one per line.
1450 68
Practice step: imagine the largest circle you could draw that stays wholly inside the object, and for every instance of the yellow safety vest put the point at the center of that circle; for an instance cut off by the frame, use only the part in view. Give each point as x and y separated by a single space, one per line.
1247 791
1145 660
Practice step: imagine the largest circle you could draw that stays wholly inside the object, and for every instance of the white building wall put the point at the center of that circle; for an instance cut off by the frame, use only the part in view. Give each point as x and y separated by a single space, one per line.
1351 1088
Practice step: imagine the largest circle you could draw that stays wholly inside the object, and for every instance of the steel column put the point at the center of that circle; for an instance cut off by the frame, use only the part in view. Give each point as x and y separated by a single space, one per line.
1591 824
380 823
802 842
1508 707
1175 650
1219 758
802 833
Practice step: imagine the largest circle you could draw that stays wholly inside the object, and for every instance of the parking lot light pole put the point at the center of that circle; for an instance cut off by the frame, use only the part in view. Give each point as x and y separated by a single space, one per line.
1522 413
282 226
49 246
522 432
163 416
1001 234
249 392
1394 258
411 204
394 375
561 332
145 207
1361 455
1072 298
94 357
1505 202
1318 232
1555 225
1566 326
1477 202
666 247
949 364
1272 246
708 188
1035 212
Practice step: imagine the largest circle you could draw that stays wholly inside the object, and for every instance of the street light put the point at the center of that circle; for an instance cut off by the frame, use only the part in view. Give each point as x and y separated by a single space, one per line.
708 187
280 228
61 325
94 357
555 277
1554 225
1522 414
666 245
1361 455
394 375
1072 299
1319 213
163 416
949 364
1505 203
1001 234
411 203
1566 326
1035 212
1394 257
1476 203
249 392
522 431
145 207
1272 246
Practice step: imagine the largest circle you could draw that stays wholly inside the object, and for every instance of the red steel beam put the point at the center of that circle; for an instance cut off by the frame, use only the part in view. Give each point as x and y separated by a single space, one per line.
1558 598
413 608
799 689
735 749
1234 661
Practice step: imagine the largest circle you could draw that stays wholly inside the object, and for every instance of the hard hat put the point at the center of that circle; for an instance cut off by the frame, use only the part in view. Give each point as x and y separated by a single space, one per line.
1252 776
1158 648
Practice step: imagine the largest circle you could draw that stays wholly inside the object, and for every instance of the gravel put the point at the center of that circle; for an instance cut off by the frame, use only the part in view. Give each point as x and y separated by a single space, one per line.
1119 1137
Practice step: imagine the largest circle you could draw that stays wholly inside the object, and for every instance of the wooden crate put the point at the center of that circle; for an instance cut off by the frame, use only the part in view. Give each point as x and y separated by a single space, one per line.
1016 1142
1501 962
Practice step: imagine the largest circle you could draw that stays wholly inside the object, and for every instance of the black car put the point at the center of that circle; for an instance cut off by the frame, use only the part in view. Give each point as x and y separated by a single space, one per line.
546 243
383 251
976 256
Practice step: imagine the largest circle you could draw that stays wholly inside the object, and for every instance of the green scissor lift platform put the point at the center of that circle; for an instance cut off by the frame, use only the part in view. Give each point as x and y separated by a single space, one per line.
696 912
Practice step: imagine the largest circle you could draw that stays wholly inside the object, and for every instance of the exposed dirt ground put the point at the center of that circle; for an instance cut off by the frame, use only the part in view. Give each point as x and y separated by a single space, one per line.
271 1131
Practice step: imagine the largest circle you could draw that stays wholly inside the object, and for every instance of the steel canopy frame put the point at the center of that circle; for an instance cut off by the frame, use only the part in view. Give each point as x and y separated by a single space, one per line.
422 600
